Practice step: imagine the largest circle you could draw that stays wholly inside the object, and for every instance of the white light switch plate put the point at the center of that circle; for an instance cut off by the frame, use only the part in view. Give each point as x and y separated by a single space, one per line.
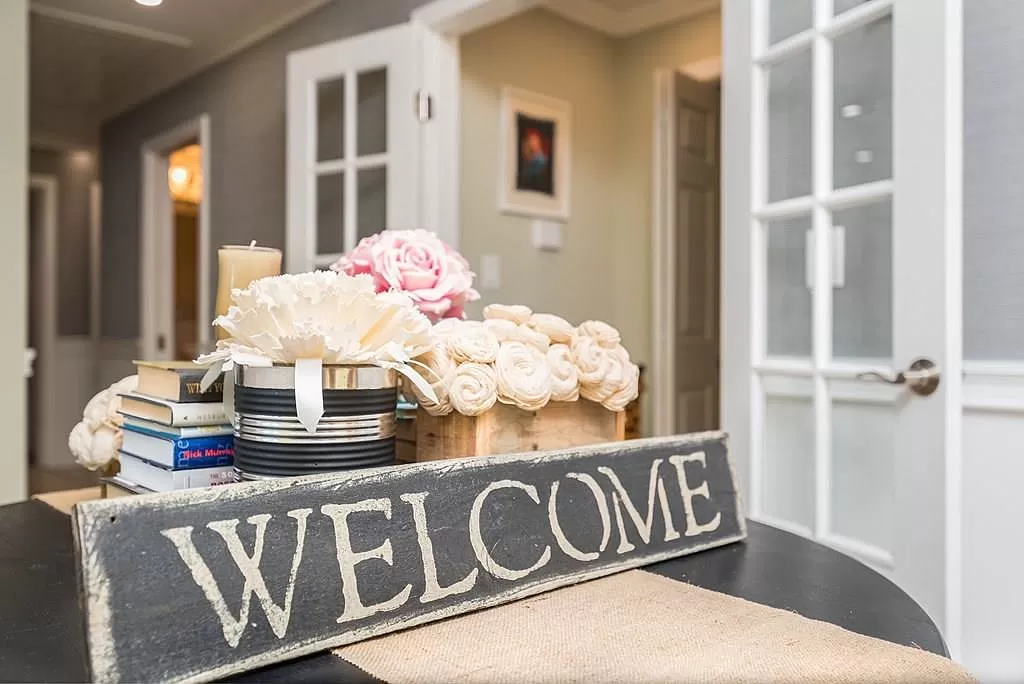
547 235
490 272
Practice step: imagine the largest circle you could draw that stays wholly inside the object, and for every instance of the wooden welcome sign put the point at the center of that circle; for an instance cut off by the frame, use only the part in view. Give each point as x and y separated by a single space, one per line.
199 584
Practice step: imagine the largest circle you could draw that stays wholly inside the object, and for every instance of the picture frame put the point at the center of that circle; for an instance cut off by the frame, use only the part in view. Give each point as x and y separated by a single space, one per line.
536 163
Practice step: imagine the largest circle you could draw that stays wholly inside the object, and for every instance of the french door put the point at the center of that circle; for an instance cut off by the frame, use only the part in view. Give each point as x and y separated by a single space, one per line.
841 278
353 144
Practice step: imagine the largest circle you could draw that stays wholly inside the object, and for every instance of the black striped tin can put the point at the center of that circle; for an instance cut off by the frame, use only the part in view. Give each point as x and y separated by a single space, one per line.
357 429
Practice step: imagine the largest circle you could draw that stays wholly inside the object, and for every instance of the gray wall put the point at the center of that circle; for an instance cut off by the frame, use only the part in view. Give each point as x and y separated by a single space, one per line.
245 98
993 170
75 171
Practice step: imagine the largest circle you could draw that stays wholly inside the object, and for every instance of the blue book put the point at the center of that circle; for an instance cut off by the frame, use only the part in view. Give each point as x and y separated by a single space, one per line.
180 454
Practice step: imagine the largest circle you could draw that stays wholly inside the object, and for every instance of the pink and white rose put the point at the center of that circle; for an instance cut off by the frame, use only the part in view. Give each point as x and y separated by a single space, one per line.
416 262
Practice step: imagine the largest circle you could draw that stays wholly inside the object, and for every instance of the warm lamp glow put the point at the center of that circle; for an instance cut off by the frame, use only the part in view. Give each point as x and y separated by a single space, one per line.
149 3
185 175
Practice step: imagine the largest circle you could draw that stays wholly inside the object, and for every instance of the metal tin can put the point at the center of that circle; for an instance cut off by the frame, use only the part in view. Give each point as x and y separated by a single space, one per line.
357 429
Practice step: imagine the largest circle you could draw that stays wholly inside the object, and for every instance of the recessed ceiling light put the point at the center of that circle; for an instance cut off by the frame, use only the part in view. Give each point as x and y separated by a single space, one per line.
149 3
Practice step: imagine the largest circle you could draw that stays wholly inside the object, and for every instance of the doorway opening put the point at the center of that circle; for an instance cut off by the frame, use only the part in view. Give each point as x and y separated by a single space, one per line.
686 239
175 273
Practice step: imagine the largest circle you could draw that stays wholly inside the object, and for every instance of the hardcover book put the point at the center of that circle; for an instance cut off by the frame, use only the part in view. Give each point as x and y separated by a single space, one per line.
170 432
158 479
177 381
180 454
172 413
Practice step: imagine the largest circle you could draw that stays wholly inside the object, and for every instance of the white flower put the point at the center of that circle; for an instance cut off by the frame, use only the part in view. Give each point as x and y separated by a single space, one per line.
445 327
95 412
439 373
517 313
507 331
565 383
555 327
473 389
627 392
524 378
601 332
602 371
472 341
94 450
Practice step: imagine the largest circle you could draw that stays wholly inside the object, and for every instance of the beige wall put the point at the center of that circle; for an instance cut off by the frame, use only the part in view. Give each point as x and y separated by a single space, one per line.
13 245
603 269
543 53
636 59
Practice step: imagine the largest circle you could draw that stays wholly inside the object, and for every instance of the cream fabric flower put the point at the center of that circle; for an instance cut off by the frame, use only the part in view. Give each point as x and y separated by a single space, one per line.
94 414
473 389
507 331
439 373
627 392
517 313
524 379
602 370
94 449
114 418
472 341
565 381
601 332
555 327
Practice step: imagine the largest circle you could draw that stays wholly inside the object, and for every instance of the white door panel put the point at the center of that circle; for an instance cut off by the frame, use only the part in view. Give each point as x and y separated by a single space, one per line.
841 256
353 144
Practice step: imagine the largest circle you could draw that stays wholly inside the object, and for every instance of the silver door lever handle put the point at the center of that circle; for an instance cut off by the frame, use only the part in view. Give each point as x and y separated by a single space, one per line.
921 378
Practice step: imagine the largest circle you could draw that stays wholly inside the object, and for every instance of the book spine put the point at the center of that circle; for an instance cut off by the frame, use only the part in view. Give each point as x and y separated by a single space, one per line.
189 392
196 414
207 452
208 477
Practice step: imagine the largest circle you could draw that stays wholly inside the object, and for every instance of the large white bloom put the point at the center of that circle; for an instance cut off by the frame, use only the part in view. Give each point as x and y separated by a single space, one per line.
524 378
473 389
602 371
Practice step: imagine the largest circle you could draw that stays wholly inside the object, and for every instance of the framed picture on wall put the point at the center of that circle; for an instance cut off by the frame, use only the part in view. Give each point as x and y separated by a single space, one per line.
536 135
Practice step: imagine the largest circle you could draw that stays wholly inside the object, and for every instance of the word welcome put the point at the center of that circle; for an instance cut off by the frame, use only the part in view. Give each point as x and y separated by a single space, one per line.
262 571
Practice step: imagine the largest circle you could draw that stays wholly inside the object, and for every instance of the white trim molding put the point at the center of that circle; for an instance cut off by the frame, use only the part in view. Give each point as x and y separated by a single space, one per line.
44 281
663 259
627 22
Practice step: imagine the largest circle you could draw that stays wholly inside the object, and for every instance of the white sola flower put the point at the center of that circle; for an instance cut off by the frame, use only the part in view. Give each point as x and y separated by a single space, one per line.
471 341
555 327
473 389
517 313
524 379
565 382
336 318
96 439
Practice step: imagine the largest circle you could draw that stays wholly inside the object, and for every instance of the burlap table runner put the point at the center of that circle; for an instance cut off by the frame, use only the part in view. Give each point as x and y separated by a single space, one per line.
640 627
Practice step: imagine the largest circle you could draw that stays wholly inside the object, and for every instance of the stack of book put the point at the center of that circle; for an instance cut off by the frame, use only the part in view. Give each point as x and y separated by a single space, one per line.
175 437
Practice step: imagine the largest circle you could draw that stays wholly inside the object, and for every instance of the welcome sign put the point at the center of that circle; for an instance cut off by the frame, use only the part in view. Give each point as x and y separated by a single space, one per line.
199 584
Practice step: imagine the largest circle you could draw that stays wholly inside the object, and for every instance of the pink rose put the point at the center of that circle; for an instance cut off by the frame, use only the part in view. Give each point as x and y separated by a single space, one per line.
417 263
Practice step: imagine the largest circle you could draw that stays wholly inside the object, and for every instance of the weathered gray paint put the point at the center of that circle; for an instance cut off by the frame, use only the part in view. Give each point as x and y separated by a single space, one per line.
245 98
152 608
75 171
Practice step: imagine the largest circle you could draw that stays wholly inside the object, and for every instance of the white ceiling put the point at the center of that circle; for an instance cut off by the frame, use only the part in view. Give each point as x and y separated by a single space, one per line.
626 17
91 59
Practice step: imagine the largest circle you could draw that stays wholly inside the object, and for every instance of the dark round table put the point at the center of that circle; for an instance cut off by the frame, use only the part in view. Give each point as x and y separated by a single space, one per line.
41 624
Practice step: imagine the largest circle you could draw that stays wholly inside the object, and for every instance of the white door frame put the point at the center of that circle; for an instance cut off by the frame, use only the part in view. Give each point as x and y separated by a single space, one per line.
45 283
156 240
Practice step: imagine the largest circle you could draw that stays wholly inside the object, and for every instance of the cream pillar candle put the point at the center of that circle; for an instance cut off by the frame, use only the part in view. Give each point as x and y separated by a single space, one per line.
239 265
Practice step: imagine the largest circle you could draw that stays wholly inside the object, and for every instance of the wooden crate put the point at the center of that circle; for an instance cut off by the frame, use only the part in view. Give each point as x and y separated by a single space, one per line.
508 430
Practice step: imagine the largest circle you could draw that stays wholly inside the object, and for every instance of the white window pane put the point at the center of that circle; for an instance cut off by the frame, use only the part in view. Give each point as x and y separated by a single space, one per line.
789 127
862 116
862 300
330 213
372 114
788 17
330 119
788 299
372 205
787 481
863 457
